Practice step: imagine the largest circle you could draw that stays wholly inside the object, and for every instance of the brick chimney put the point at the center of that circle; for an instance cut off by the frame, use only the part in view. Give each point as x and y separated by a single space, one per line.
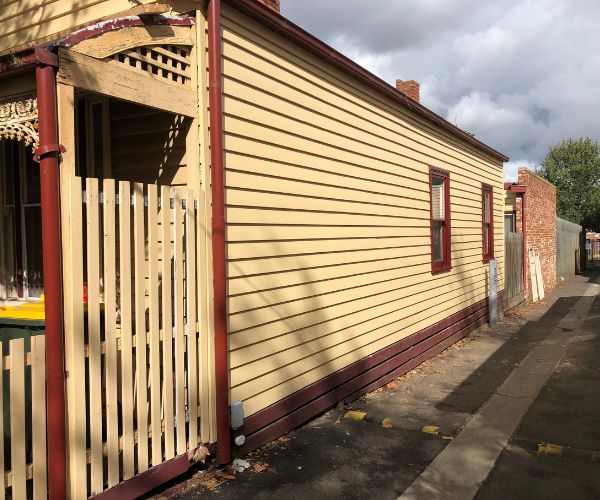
410 88
272 4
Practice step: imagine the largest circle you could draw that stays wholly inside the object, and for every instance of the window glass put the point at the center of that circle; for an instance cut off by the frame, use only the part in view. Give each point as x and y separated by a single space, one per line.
440 219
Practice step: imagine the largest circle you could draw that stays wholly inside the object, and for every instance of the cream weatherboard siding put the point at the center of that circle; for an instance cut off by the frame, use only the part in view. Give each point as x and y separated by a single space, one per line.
327 210
510 201
26 21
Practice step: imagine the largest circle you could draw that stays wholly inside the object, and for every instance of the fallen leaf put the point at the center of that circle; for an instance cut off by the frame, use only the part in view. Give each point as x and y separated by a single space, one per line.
228 474
284 439
447 438
260 467
210 483
393 385
200 454
386 423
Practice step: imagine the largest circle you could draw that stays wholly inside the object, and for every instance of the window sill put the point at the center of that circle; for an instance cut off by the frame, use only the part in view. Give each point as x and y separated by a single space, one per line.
440 269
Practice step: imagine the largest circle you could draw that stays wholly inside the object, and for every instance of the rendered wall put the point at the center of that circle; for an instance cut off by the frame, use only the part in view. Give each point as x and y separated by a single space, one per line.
328 245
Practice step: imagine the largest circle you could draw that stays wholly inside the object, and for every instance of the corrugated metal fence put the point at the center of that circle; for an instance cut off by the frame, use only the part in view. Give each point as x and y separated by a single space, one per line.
568 251
513 270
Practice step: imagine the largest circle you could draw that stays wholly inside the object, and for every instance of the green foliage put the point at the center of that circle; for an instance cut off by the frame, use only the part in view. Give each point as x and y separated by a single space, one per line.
573 166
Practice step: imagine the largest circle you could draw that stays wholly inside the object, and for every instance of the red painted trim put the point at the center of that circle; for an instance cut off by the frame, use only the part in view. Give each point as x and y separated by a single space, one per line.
518 189
297 35
360 377
300 398
53 280
487 191
446 263
7 71
218 232
117 24
148 480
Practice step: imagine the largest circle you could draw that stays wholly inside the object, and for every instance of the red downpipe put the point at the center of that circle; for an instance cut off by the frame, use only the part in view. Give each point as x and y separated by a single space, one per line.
218 232
49 183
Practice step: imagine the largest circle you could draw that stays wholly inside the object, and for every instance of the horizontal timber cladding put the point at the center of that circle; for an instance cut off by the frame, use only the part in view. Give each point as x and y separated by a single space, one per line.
148 145
327 209
26 21
510 201
361 376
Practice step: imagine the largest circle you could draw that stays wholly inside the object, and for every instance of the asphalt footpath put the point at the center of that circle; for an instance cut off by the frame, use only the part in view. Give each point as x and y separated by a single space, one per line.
509 413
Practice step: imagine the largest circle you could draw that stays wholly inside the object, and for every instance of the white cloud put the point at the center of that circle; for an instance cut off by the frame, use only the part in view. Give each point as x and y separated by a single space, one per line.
520 75
511 169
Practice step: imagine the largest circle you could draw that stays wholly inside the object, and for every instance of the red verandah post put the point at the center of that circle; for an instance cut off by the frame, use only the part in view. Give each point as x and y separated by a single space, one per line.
48 151
218 231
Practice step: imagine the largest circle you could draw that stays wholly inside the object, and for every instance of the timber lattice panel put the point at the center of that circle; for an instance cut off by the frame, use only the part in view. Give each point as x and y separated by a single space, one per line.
168 62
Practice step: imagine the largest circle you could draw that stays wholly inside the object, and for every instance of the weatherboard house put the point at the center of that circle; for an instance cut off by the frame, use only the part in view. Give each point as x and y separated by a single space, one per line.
230 211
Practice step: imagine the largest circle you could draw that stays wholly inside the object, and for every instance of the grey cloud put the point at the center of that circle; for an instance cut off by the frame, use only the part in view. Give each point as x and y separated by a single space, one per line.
521 75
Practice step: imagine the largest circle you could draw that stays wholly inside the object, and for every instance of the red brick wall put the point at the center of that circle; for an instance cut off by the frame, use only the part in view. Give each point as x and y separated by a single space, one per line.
540 220
273 4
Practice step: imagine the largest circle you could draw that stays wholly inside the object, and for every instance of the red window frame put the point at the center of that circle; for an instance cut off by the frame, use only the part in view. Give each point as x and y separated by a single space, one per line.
487 228
445 264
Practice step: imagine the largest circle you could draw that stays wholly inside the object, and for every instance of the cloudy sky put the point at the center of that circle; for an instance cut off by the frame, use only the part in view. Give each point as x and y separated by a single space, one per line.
521 75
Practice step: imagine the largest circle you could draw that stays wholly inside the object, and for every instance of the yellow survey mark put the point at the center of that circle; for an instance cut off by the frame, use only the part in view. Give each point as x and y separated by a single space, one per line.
355 415
550 449
431 429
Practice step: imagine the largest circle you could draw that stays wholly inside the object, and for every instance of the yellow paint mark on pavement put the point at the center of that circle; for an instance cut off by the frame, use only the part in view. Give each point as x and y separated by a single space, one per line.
550 449
431 429
355 415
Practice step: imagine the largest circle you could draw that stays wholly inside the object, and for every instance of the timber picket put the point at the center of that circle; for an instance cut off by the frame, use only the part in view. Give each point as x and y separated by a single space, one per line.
94 345
154 326
167 315
179 329
126 330
110 319
141 379
191 283
38 416
140 337
17 419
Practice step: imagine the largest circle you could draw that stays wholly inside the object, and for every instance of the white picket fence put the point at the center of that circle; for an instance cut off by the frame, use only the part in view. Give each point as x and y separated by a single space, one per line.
135 357
23 420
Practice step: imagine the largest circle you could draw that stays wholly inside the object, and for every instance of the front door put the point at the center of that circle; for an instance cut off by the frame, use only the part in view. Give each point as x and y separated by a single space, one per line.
21 272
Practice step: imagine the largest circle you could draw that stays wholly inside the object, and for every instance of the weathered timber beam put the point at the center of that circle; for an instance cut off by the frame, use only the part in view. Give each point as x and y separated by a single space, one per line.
88 73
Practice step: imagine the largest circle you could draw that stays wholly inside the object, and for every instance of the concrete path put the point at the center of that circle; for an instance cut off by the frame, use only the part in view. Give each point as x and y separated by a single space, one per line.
460 470
486 403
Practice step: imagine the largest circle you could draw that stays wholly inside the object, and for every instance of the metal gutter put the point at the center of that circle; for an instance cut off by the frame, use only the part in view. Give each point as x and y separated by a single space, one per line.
48 152
294 33
218 232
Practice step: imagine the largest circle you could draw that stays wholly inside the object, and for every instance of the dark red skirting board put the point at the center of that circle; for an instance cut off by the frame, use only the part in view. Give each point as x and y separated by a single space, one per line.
147 481
360 377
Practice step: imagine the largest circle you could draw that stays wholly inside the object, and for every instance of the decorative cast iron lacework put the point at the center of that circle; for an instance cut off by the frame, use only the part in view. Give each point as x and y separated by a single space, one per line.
19 119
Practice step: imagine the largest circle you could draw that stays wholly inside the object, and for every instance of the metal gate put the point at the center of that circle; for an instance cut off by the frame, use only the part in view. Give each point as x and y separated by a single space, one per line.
592 246
513 270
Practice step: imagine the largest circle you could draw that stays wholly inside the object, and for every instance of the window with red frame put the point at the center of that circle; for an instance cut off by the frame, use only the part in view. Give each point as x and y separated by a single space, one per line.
487 194
439 190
